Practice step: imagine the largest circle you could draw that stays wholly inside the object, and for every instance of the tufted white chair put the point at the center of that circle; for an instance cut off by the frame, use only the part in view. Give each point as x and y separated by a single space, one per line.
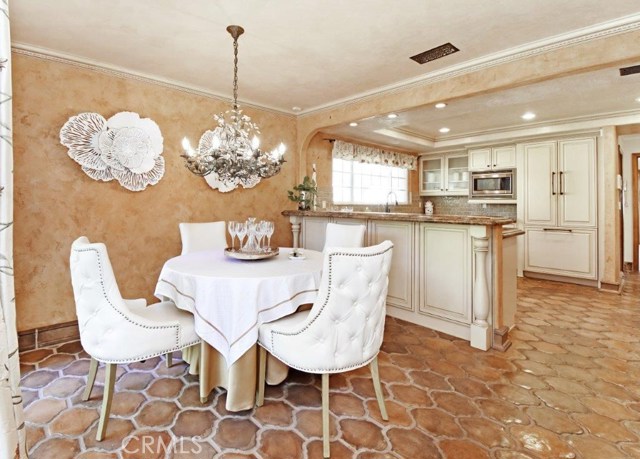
197 237
343 236
344 328
114 330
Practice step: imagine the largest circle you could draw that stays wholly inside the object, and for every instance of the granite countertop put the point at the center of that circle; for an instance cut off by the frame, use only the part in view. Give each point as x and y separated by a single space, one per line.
415 217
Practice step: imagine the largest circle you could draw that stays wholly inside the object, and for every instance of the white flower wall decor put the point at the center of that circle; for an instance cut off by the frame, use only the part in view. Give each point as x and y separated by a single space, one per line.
125 147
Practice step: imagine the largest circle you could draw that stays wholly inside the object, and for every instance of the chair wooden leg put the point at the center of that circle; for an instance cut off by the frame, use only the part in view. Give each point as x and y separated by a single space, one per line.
91 378
325 415
375 376
169 357
262 375
109 382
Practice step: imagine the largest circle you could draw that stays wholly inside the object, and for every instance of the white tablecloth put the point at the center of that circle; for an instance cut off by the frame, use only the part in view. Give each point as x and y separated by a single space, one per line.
231 298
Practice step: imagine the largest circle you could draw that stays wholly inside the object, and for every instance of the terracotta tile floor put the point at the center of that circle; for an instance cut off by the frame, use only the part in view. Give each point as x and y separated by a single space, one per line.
569 387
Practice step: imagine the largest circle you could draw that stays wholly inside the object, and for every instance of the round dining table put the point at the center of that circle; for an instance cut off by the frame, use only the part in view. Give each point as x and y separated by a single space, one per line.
229 299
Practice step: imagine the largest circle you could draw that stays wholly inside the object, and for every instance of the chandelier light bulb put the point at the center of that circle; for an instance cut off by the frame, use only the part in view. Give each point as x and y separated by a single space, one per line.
186 146
255 142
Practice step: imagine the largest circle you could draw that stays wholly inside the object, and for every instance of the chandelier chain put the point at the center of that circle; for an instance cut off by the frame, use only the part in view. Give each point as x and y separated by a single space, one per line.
235 73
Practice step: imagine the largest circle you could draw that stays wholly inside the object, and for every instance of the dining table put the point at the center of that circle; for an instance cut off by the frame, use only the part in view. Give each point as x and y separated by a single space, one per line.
229 299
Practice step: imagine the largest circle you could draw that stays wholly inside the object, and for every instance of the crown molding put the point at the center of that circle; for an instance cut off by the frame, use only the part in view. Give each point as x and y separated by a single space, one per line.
120 72
561 126
595 32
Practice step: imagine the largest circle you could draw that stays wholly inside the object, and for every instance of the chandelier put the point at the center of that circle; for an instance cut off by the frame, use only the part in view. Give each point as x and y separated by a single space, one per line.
229 155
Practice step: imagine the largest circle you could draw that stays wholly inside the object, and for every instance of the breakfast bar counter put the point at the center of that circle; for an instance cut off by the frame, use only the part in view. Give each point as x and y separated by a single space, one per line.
450 273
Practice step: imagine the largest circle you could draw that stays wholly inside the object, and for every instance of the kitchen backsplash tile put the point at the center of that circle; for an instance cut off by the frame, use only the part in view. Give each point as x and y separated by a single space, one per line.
459 205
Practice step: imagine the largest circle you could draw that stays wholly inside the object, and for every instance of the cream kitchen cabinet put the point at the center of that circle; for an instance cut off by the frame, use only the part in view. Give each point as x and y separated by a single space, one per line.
444 250
314 230
444 175
560 183
492 158
561 251
401 285
560 204
442 273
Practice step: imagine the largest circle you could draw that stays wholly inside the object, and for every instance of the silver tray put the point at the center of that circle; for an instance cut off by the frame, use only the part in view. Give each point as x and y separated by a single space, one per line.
238 255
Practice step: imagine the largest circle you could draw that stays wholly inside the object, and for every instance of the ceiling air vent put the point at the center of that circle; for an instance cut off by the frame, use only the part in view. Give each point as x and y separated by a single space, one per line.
435 53
630 70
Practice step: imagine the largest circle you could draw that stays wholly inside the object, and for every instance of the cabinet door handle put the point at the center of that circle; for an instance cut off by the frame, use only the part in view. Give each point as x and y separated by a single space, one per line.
558 230
553 183
561 183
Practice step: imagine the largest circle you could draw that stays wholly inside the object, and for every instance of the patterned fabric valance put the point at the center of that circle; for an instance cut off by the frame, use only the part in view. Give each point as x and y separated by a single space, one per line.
370 155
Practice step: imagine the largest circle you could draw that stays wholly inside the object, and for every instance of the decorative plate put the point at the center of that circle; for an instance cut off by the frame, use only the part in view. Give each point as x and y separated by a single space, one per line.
238 255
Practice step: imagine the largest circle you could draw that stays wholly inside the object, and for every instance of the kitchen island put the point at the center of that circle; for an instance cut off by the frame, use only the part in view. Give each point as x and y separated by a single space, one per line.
448 272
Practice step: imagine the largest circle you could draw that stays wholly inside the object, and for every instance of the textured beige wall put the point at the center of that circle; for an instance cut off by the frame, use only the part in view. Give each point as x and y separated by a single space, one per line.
55 202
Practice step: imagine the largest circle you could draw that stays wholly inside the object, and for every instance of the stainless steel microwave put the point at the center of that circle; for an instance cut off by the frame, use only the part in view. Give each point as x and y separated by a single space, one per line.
493 185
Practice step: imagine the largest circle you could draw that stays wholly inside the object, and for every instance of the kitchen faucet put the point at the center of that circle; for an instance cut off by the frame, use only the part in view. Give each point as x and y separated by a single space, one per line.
395 199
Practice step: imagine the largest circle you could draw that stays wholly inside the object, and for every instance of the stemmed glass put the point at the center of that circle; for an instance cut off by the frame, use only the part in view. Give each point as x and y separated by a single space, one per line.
262 232
241 232
231 227
269 227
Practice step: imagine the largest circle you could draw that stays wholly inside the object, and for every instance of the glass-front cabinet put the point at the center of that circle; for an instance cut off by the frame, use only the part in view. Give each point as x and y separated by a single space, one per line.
432 176
444 174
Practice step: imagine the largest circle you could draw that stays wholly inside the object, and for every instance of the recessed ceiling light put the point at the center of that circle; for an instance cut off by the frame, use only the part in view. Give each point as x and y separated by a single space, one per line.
441 105
392 115
444 130
296 109
528 116
637 99
353 124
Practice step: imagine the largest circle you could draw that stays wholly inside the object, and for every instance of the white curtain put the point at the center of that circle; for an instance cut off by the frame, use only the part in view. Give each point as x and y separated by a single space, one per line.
370 155
12 432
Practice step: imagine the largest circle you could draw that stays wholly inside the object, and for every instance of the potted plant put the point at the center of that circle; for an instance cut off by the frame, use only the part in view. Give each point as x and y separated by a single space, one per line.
305 193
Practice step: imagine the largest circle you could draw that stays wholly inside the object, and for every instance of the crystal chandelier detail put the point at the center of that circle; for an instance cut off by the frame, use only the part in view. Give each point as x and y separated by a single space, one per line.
229 155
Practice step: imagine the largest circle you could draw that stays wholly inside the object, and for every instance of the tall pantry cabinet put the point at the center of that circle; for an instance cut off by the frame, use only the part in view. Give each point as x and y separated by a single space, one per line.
560 215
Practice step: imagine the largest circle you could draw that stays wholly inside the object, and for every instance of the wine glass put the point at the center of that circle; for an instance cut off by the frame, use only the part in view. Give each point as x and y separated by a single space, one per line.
241 232
262 233
231 227
270 227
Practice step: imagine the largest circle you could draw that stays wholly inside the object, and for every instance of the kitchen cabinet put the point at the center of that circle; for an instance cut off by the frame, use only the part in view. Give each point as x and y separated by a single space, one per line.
561 251
492 158
444 175
443 269
560 205
314 230
444 250
400 292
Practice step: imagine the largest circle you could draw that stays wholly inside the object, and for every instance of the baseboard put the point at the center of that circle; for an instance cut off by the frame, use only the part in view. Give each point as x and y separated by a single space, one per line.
48 336
612 288
553 277
501 341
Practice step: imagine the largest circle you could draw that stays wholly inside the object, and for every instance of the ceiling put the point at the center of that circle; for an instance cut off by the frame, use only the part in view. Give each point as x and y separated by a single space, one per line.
310 54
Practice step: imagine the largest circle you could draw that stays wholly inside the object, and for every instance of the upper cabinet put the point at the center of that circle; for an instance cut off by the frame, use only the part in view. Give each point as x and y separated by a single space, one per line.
444 174
492 158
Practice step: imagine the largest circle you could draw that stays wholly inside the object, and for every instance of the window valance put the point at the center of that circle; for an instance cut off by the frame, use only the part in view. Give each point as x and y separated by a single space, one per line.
370 155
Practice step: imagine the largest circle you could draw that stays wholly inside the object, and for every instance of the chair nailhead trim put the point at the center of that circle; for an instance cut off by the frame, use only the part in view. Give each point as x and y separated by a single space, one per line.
155 327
